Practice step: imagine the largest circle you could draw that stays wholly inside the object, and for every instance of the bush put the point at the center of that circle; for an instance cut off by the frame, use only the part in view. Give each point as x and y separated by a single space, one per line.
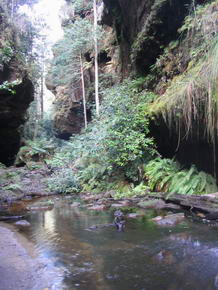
64 181
115 144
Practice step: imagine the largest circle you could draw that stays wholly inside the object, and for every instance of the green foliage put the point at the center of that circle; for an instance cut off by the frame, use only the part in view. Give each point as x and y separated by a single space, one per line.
131 191
43 128
64 181
6 54
127 140
2 166
115 144
82 6
78 39
192 95
168 176
8 86
36 150
13 187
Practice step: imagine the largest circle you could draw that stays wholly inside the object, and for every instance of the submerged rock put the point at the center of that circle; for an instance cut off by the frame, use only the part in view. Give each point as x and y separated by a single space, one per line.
98 207
75 204
134 215
98 227
169 220
117 205
212 216
43 207
165 257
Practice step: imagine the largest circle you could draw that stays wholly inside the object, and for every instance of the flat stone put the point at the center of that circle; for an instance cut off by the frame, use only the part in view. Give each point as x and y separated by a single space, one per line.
134 215
154 204
75 204
117 205
22 223
98 207
172 206
38 208
125 202
89 197
169 220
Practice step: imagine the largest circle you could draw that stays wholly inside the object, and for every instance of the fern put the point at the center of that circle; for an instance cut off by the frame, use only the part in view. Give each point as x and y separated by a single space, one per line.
167 175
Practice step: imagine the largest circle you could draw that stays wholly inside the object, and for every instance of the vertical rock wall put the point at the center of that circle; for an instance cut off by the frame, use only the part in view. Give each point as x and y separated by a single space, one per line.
12 116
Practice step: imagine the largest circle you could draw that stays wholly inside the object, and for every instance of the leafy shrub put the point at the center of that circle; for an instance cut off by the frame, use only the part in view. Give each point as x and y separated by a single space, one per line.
35 150
8 86
64 181
168 176
129 191
6 54
2 165
13 187
114 144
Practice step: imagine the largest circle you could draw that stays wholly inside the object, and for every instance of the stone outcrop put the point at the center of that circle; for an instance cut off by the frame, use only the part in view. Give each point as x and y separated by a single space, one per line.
14 100
144 28
12 115
68 104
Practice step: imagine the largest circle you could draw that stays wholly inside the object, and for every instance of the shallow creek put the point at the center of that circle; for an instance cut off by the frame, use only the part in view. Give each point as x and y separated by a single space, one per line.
144 257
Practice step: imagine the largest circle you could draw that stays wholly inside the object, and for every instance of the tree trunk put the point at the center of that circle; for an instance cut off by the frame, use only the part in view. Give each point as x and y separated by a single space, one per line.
41 95
12 9
83 90
96 58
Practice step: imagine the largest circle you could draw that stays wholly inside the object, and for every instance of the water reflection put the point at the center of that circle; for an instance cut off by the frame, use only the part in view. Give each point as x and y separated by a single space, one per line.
143 257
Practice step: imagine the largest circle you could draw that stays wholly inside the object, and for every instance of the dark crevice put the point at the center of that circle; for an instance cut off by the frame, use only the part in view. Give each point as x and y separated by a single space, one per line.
103 57
194 149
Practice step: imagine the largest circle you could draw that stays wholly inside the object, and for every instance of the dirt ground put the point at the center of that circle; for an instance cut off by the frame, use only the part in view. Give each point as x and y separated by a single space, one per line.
20 266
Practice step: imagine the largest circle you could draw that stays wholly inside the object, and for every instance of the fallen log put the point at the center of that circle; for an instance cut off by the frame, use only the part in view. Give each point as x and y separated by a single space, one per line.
207 203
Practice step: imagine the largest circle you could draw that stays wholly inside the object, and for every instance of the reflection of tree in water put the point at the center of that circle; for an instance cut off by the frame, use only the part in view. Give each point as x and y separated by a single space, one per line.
56 234
141 257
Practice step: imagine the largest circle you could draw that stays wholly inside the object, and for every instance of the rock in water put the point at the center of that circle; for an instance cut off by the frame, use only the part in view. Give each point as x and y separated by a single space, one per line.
22 223
169 220
212 216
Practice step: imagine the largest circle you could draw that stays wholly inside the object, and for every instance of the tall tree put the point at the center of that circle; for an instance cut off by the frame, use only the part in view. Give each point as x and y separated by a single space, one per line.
83 89
68 65
96 57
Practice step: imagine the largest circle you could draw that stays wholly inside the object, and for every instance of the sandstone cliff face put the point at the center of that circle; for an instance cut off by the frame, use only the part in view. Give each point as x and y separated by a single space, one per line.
136 34
68 117
144 28
68 105
12 115
13 104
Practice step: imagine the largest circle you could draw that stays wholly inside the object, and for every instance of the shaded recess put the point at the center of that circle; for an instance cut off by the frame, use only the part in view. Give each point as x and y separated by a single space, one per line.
103 57
188 149
12 115
71 121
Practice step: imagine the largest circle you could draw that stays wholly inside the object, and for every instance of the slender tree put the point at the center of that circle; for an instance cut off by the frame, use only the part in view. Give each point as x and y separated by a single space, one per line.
83 89
96 58
68 66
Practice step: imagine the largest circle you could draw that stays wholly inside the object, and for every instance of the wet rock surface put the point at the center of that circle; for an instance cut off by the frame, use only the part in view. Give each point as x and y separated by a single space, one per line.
23 183
21 269
22 223
169 220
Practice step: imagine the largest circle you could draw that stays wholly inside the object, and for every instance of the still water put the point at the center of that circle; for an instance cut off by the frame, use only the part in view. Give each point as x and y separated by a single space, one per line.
144 257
